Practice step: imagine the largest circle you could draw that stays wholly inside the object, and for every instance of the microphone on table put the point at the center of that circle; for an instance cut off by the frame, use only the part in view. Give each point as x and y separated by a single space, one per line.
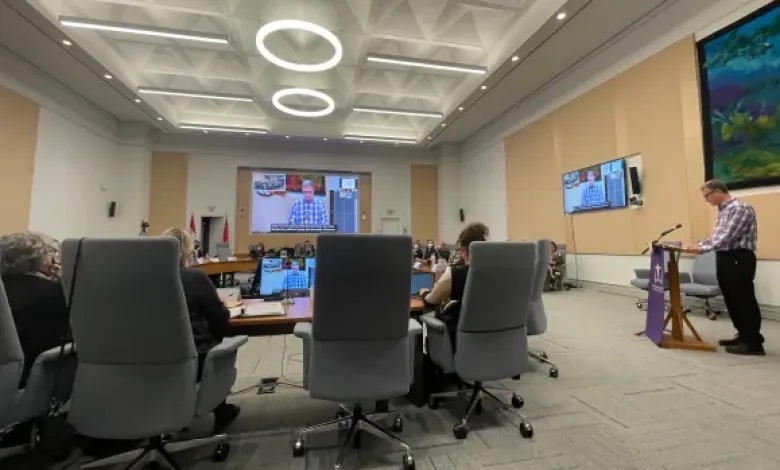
663 234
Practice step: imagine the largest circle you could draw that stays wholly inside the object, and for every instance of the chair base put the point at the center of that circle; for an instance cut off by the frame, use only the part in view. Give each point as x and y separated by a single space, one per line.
542 357
479 391
156 451
711 312
357 421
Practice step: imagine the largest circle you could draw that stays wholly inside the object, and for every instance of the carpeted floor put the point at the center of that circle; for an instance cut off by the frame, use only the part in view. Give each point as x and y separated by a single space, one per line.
619 403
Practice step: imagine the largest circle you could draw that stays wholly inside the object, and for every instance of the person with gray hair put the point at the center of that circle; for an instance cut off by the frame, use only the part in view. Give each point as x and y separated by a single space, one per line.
29 265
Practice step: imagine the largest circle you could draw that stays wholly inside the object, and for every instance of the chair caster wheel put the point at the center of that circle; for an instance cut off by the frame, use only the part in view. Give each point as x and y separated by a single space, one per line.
543 355
517 401
639 305
526 430
516 377
433 403
298 448
221 453
712 316
553 372
398 424
460 431
408 463
478 407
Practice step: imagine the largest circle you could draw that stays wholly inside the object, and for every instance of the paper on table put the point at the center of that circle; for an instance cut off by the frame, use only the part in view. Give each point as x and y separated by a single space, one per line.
236 312
262 309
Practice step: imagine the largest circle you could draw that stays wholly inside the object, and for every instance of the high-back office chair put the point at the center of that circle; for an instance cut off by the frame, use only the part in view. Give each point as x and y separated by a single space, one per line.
359 346
492 341
137 363
537 317
704 283
642 277
50 375
223 251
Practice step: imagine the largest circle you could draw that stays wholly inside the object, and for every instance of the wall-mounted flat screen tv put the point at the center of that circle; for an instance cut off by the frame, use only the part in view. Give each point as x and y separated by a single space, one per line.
596 187
740 89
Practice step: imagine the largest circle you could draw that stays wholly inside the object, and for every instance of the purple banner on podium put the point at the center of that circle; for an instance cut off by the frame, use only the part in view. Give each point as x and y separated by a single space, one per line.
656 302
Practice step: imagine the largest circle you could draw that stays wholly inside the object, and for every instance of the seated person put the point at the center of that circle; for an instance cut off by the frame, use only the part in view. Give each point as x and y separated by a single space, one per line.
430 249
257 251
29 263
441 252
554 269
417 252
448 291
209 317
304 250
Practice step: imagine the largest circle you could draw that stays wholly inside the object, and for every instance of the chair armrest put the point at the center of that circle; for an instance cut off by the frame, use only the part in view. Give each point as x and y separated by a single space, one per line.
642 273
227 346
302 330
415 329
433 323
54 353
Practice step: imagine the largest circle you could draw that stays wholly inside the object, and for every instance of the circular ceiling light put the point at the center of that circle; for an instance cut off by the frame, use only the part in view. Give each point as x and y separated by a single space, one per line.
299 25
329 104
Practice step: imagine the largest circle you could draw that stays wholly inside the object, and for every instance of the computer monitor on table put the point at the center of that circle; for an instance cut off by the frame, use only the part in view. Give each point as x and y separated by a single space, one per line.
420 281
282 276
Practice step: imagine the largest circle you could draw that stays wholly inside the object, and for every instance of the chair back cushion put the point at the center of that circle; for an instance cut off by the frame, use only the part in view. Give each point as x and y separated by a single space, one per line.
491 342
11 362
362 287
705 269
136 355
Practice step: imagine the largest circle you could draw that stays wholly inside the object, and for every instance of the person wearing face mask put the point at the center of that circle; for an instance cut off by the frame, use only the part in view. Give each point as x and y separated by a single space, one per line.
417 251
430 249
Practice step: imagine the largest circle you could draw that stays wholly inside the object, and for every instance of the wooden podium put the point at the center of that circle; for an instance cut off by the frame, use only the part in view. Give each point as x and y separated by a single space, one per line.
678 339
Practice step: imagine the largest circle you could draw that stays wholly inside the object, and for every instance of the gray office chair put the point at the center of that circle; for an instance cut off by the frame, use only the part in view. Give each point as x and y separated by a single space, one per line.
641 278
223 251
50 376
492 339
359 347
704 283
537 317
137 363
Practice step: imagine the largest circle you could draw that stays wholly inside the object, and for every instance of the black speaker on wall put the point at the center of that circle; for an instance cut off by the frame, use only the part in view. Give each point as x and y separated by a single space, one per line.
636 185
112 208
462 215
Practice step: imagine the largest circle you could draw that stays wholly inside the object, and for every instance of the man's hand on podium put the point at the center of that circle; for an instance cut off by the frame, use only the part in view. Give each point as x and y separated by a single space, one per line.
693 248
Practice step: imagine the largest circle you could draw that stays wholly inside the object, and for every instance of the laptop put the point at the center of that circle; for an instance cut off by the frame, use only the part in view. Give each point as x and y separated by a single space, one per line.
420 281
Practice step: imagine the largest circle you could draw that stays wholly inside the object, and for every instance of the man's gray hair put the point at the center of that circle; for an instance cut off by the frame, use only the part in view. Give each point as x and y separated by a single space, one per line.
27 253
306 183
716 185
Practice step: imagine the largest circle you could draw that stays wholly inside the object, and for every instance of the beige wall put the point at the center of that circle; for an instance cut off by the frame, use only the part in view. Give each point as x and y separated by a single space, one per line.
652 109
18 139
168 192
425 202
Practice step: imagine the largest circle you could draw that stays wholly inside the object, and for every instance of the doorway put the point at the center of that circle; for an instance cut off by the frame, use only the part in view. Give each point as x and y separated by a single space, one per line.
210 233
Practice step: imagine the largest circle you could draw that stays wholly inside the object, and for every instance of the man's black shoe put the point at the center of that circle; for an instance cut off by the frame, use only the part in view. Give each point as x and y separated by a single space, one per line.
730 342
746 350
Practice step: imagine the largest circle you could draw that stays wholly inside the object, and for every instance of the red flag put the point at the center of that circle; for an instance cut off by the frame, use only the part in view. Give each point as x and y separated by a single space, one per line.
226 233
192 224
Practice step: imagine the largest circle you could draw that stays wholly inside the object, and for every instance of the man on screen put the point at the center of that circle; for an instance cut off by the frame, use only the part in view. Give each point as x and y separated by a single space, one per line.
308 211
295 278
592 194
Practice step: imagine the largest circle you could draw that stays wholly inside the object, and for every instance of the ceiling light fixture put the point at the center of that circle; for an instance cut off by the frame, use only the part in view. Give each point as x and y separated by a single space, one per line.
67 42
324 138
460 108
287 137
400 112
388 140
137 100
299 25
234 130
330 105
429 64
515 58
483 87
108 76
194 94
128 28
561 16
159 118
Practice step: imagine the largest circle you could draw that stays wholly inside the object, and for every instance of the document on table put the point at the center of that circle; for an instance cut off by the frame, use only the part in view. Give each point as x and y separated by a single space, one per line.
264 309
236 312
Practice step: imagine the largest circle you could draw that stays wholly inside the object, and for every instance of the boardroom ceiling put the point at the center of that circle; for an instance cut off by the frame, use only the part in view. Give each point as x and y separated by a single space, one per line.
383 69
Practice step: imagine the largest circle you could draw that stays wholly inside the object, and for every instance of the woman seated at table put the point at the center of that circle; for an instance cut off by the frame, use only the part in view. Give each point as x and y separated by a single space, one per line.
417 252
448 291
209 318
554 274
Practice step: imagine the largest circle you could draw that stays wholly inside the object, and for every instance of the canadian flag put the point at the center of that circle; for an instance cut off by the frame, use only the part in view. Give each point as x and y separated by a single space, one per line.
193 230
226 232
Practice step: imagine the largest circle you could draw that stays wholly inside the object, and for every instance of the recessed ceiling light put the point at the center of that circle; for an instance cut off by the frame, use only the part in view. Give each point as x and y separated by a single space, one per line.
137 100
460 108
515 58
483 87
108 76
159 118
67 42
287 137
117 27
194 94
324 138
276 99
561 16
234 130
298 25
400 112
389 140
444 124
430 64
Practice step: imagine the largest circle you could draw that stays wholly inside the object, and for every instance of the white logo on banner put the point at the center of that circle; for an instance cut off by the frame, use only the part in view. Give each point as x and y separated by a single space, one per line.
659 274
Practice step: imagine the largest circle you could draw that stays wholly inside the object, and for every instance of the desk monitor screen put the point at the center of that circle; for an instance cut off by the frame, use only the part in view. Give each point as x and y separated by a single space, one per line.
421 281
279 275
596 187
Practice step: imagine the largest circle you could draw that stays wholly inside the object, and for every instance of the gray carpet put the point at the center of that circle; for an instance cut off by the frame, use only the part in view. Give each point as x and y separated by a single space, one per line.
619 403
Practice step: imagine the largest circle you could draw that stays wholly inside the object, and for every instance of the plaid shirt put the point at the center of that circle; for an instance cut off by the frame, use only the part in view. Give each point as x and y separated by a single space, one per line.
296 280
736 228
305 212
592 195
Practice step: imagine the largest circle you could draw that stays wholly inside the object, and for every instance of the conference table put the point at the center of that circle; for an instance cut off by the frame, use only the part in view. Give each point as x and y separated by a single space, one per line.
301 311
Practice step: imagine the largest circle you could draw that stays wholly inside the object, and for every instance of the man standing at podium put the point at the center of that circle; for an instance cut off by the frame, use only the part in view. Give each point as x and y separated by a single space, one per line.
734 241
